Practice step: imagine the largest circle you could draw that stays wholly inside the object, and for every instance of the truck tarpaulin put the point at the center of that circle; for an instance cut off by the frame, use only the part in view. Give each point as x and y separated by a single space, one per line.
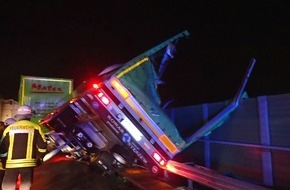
140 78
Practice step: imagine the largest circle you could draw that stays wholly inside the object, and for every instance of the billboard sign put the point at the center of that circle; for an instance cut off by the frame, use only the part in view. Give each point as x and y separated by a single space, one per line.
44 94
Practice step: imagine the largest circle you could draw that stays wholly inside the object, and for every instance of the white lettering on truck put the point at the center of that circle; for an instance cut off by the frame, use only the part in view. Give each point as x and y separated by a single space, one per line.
136 151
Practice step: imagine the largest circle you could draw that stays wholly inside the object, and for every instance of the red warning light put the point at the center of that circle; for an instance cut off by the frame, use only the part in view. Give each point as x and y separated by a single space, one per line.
158 158
95 86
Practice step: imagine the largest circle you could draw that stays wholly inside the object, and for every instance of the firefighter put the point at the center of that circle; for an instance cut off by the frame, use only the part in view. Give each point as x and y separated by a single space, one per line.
2 160
25 145
3 125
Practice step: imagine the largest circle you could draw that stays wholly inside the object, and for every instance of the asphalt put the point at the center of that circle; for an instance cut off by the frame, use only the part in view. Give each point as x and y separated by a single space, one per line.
61 173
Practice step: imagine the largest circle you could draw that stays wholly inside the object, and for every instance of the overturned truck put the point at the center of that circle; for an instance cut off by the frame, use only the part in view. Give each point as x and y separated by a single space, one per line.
120 122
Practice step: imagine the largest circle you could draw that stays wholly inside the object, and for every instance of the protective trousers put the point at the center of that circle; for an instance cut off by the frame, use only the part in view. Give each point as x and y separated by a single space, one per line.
11 176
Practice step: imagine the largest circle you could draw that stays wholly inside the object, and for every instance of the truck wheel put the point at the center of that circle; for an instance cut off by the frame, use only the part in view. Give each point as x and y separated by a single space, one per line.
105 160
119 158
122 155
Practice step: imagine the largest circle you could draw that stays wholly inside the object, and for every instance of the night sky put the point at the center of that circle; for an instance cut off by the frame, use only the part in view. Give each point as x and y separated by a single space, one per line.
78 39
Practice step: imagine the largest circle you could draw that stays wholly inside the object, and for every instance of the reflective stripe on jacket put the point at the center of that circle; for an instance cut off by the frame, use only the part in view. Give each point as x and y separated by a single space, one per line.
24 142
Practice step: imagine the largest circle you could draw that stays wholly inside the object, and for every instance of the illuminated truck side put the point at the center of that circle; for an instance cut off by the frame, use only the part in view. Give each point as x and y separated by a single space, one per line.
95 122
152 118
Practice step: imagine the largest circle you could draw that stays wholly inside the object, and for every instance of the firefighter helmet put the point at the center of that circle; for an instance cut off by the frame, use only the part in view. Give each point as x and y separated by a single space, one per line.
9 121
23 112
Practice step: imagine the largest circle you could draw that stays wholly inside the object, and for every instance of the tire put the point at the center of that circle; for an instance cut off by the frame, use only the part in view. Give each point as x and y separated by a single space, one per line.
122 155
104 160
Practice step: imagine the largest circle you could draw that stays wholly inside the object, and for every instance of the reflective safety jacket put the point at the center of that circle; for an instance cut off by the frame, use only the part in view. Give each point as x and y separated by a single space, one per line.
24 143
